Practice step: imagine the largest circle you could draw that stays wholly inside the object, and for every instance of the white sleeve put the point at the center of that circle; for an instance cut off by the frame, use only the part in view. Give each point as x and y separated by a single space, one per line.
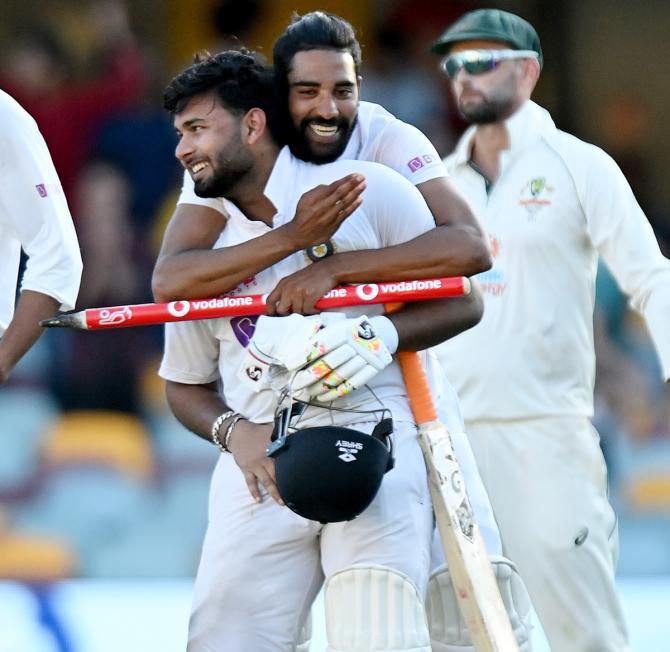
33 208
623 236
191 353
405 149
188 196
395 206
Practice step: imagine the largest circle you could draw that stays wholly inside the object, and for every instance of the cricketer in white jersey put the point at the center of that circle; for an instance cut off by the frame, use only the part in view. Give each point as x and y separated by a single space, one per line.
34 216
525 374
249 546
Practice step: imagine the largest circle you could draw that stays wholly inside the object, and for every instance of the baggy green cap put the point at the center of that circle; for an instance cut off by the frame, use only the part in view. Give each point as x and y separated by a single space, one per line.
490 25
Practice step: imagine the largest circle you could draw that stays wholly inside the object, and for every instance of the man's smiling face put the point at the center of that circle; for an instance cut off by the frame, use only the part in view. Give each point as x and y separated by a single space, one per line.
323 103
210 146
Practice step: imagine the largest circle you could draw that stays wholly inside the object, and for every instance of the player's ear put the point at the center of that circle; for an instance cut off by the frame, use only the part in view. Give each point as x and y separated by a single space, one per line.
253 125
531 73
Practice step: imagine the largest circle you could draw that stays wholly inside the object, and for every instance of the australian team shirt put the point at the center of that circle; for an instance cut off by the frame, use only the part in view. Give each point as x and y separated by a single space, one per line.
558 204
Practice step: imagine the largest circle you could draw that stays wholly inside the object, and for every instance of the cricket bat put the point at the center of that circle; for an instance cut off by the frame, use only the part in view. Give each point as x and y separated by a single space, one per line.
471 572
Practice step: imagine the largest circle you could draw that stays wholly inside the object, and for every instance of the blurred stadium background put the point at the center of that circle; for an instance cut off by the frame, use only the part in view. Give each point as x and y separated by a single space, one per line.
102 494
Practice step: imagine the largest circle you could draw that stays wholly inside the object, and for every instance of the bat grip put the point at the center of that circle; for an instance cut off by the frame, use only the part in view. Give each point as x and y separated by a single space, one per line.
416 381
418 389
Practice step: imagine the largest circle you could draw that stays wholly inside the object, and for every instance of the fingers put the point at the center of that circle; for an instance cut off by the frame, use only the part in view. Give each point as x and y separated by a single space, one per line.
252 485
348 191
287 301
346 210
332 368
283 299
358 380
340 382
265 476
272 490
330 338
292 293
346 197
321 210
343 197
342 186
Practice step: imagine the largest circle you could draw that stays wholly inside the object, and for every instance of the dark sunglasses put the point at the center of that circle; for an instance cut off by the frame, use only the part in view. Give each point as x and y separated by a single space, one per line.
477 62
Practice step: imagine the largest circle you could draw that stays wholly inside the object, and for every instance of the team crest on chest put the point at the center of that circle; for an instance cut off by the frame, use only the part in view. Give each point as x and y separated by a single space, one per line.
535 195
320 251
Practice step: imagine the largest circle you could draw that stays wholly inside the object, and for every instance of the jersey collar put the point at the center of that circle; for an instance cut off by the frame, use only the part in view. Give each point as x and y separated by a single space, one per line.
529 123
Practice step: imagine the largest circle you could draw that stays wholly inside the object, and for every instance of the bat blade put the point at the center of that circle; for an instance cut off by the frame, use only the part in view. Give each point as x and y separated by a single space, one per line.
472 576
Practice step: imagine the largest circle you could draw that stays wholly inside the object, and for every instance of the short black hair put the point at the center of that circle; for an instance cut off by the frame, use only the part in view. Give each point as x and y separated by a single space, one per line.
240 79
316 30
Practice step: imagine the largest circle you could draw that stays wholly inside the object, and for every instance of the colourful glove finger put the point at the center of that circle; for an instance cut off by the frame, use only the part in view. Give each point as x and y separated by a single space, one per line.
347 355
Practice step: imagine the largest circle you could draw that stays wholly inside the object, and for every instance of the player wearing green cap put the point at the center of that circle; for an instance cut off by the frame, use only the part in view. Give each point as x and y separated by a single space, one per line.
552 204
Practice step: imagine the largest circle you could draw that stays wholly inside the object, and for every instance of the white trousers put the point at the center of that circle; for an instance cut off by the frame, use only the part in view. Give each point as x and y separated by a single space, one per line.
262 565
547 481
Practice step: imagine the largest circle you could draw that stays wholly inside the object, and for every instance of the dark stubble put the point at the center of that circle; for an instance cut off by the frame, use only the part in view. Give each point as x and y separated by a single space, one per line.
487 111
232 163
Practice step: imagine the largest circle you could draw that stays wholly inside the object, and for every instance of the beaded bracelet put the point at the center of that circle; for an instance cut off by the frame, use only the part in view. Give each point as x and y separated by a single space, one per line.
229 431
216 426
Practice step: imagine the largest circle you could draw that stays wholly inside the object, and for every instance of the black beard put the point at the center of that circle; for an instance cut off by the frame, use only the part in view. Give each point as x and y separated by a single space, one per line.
220 184
231 165
302 148
487 112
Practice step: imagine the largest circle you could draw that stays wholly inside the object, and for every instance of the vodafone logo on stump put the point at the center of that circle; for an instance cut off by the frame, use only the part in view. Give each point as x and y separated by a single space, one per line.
368 291
178 308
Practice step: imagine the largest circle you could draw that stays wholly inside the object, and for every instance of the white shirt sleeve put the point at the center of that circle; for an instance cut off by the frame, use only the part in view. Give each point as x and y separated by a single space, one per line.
395 206
33 208
191 353
623 236
188 196
405 149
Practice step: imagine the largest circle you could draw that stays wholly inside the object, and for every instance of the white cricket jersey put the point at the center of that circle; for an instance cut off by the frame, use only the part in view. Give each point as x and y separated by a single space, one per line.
378 136
558 203
33 216
393 211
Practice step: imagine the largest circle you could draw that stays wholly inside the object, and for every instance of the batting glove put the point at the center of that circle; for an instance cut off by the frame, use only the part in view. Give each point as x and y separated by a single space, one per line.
277 345
345 356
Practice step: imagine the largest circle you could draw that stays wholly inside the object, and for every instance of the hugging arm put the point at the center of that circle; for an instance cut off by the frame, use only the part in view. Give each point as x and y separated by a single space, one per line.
188 267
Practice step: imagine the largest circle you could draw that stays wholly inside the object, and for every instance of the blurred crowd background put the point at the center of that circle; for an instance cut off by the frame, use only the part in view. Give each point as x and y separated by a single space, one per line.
97 480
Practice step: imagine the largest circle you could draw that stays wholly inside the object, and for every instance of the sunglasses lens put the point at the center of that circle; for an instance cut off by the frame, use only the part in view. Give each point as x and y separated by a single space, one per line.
480 67
475 63
451 66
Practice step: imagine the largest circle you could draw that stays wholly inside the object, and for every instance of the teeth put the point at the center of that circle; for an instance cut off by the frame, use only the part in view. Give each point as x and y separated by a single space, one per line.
198 166
323 130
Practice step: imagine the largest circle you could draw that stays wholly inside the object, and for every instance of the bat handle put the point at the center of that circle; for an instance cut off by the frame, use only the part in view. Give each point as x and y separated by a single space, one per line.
418 389
416 380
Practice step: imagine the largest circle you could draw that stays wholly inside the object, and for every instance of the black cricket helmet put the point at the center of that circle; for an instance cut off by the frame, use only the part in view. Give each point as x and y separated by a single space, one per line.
330 473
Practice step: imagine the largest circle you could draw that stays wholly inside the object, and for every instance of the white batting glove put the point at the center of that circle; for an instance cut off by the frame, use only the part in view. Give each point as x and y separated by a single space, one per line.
345 356
277 345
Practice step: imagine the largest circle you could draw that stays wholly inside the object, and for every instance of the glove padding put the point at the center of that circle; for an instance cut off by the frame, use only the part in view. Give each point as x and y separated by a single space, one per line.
277 342
343 357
